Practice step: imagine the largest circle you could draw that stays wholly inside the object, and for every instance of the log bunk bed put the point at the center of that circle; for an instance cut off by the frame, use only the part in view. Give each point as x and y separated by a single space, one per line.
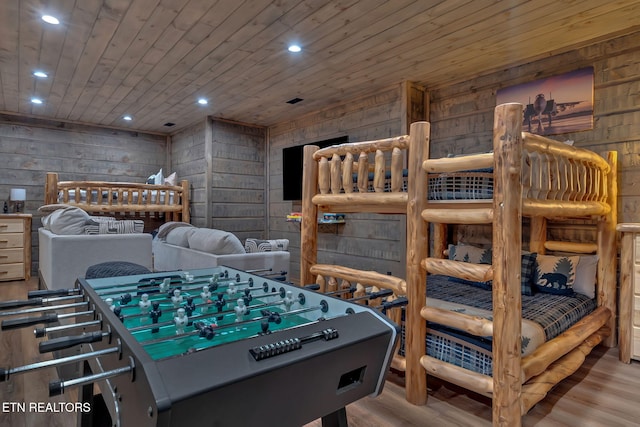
533 177
154 204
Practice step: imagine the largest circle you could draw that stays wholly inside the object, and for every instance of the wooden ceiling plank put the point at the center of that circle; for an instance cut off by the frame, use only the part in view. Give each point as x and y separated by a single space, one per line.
146 74
265 26
77 24
105 25
117 60
275 63
9 43
102 83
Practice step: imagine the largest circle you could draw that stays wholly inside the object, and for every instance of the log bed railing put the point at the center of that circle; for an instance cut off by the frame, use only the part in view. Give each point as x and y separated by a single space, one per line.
123 198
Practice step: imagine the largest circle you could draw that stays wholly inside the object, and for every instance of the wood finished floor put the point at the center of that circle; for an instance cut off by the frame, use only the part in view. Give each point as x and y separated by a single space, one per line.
604 392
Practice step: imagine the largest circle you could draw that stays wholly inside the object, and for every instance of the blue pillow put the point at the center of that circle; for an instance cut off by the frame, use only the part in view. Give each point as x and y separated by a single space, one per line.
556 274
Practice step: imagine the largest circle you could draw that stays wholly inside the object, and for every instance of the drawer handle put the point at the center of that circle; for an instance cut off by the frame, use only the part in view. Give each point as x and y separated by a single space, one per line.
4 225
4 241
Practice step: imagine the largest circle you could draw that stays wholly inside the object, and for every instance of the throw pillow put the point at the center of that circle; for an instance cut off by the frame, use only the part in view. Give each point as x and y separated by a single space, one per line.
527 273
527 269
586 276
256 245
69 220
127 226
216 242
469 253
171 179
157 179
556 274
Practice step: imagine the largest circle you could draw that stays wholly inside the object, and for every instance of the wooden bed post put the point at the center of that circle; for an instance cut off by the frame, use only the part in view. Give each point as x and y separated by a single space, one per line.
186 202
538 234
608 251
51 188
309 225
417 245
507 244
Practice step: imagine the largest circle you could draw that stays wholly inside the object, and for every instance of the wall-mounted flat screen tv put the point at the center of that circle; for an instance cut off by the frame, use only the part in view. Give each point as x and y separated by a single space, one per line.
292 158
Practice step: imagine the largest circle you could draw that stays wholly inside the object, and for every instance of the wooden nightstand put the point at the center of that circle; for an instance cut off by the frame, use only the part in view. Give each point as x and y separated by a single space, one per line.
629 308
15 246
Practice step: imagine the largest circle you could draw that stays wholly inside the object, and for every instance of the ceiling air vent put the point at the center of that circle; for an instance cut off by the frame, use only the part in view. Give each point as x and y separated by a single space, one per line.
294 101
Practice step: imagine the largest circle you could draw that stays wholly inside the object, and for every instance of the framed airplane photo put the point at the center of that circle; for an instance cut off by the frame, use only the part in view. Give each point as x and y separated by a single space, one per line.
555 105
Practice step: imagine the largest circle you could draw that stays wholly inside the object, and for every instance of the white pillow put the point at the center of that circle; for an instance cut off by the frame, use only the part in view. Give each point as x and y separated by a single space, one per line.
216 242
586 276
157 179
171 179
70 220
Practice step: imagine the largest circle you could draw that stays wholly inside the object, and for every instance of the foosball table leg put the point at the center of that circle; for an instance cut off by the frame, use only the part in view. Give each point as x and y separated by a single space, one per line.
336 419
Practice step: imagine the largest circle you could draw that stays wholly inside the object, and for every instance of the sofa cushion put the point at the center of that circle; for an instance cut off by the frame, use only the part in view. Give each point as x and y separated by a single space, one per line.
69 220
215 242
180 236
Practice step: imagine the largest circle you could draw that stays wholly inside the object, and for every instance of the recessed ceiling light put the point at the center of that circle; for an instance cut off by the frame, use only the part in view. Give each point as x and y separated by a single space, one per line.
50 19
127 118
294 48
40 74
36 101
202 101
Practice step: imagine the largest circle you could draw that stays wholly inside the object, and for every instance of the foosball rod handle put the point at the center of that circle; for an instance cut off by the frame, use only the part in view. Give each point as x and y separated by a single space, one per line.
57 387
21 322
71 341
21 303
52 293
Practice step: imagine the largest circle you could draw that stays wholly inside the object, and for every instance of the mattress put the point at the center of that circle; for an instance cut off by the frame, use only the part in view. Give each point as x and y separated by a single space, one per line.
553 314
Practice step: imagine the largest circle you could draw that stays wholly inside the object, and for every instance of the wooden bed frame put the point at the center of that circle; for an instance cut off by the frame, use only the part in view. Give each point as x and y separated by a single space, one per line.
128 200
533 176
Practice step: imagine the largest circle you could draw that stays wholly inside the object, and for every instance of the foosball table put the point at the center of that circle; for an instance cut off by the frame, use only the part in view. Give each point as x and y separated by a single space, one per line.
214 346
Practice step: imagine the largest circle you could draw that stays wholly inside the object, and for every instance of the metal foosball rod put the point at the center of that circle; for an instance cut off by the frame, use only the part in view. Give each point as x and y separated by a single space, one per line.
44 308
41 332
154 283
57 387
148 287
269 317
71 341
21 322
5 373
220 312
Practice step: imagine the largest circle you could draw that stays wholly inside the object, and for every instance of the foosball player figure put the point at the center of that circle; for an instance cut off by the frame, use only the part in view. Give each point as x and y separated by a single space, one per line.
220 303
189 308
144 303
240 309
165 285
109 302
155 314
288 300
118 312
231 289
181 320
177 299
206 297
